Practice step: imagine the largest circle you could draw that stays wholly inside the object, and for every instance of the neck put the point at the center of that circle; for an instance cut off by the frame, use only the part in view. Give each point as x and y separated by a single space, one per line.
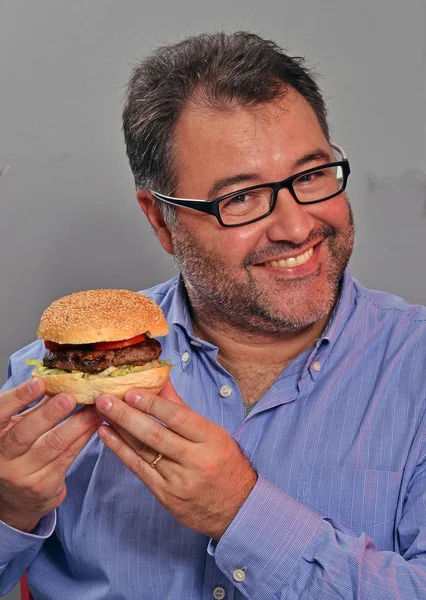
238 348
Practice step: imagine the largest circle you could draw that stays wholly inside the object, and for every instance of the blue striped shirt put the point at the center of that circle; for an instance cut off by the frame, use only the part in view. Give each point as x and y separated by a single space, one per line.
338 511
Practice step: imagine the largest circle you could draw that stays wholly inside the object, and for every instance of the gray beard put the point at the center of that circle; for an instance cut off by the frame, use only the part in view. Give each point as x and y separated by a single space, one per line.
245 307
217 298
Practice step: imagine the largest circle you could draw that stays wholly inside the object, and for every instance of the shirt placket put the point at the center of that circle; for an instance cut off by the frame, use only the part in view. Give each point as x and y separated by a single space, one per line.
216 586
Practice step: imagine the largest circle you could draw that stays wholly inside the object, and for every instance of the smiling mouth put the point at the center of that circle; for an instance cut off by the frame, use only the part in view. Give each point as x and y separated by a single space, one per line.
292 262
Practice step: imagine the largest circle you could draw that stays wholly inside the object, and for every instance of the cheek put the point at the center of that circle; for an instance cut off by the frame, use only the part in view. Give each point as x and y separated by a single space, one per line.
232 242
238 242
334 212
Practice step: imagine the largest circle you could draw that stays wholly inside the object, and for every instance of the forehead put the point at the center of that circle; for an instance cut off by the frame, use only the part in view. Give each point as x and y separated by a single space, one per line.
211 143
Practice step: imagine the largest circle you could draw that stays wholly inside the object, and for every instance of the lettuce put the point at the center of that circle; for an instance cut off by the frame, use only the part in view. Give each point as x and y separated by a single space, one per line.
42 371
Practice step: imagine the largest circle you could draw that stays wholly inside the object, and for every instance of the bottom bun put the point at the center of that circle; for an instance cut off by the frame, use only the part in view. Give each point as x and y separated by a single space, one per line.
86 390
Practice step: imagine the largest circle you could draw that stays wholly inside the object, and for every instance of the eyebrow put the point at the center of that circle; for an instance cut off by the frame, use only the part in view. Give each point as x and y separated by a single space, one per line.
313 156
225 181
219 184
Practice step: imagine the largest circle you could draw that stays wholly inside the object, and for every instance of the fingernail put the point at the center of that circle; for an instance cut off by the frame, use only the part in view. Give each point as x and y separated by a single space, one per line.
133 397
34 387
104 403
105 433
63 401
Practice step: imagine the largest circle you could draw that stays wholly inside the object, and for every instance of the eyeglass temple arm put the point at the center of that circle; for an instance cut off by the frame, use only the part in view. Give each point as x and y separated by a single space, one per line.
201 205
339 150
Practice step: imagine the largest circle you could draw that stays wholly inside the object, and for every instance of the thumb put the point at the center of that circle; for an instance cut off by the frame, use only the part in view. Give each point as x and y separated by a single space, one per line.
169 393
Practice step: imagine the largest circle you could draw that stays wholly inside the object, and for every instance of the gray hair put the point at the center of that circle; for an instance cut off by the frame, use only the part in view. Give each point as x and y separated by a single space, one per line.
210 69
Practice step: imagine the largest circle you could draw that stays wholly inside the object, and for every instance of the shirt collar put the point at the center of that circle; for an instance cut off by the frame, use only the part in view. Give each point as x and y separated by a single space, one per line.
341 312
180 313
185 339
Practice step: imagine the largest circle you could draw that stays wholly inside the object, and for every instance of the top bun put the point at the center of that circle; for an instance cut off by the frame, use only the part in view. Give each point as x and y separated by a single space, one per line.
101 316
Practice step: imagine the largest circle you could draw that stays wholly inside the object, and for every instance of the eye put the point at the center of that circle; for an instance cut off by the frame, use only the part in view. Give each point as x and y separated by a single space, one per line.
310 177
239 199
317 185
252 203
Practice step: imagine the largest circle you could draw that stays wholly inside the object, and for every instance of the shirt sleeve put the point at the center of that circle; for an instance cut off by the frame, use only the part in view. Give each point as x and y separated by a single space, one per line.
18 549
18 370
276 548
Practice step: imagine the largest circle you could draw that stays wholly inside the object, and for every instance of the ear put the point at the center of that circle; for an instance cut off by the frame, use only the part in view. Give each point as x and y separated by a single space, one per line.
152 212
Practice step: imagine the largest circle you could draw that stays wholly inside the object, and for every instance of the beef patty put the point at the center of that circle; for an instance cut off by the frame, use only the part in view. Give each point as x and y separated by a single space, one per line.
83 358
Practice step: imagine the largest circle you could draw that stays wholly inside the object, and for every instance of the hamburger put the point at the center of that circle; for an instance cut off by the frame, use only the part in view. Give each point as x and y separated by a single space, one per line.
102 342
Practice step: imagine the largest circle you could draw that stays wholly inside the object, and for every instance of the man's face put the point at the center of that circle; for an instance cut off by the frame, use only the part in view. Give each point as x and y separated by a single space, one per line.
281 273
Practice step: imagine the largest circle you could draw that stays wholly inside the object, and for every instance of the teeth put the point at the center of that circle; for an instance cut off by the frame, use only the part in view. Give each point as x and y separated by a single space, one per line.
294 261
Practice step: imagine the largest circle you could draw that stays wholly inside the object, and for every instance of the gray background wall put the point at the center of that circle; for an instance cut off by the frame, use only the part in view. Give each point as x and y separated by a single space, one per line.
69 220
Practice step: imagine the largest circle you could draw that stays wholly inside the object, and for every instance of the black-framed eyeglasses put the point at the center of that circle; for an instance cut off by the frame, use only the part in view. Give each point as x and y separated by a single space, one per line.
258 201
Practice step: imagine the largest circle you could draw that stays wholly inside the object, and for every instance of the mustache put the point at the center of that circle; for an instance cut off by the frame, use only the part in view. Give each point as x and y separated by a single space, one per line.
284 247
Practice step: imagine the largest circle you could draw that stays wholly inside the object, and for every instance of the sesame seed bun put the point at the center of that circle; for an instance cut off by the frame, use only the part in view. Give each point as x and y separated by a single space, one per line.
87 390
101 316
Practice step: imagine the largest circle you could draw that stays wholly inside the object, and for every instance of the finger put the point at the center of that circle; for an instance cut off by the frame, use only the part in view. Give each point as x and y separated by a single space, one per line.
32 409
137 465
54 443
169 392
52 476
142 427
18 398
63 462
178 417
19 438
16 418
142 449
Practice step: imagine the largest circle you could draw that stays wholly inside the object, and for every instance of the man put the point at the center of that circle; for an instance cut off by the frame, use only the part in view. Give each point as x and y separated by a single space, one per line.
287 460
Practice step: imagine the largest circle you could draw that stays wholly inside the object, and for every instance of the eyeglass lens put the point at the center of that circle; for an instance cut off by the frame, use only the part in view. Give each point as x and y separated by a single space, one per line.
310 187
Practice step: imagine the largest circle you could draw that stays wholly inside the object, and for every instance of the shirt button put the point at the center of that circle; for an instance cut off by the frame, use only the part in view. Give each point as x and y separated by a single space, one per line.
185 357
316 366
219 593
238 575
225 391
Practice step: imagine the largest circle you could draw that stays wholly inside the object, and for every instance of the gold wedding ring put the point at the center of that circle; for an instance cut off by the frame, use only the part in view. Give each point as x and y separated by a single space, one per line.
156 460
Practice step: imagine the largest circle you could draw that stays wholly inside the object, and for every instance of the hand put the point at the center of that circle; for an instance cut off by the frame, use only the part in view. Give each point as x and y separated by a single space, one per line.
36 452
203 477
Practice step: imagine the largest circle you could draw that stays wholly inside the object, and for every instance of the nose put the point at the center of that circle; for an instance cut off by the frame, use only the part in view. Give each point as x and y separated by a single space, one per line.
290 221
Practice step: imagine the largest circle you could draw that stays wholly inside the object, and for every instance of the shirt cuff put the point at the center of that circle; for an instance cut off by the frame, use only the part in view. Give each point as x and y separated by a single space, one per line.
13 541
269 535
